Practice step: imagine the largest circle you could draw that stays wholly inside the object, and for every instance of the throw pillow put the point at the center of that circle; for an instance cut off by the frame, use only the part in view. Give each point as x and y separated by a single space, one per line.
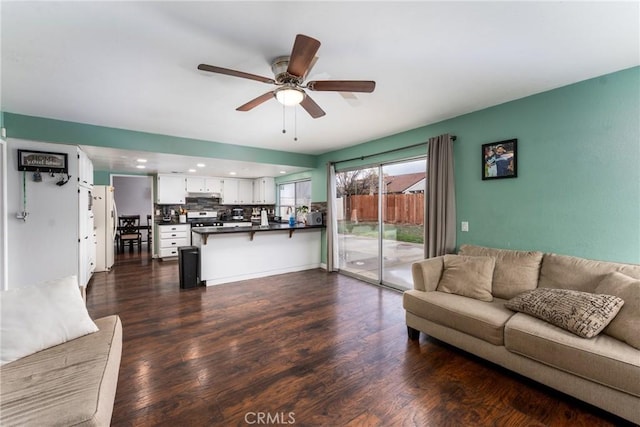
37 317
626 325
469 276
515 271
581 313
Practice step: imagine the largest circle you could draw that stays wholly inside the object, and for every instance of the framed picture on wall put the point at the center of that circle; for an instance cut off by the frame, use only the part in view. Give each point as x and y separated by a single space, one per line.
42 161
500 159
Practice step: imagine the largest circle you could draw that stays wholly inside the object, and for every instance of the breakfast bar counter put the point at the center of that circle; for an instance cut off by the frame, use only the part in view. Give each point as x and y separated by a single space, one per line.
231 254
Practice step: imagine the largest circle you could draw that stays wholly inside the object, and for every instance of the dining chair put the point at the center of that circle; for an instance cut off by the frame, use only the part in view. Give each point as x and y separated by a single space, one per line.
129 229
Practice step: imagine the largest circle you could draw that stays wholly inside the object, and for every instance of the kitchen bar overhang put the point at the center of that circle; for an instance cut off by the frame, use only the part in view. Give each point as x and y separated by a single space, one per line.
205 232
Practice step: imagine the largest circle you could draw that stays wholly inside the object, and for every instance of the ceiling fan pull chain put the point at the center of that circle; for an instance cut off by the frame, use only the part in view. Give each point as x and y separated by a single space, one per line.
295 123
283 127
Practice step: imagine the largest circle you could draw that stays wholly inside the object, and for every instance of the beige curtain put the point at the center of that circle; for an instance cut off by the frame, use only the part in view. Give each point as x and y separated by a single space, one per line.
440 209
332 223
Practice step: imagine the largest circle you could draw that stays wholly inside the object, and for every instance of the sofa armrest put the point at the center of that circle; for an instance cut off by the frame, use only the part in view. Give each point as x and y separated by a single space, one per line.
426 273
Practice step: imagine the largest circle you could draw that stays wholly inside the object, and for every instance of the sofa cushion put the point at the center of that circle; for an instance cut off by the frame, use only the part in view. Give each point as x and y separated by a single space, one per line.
484 320
37 317
515 271
602 359
581 313
70 384
580 274
469 276
626 325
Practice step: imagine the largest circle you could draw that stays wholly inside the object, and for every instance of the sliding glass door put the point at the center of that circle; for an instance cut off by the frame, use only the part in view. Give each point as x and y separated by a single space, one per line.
358 222
402 206
380 212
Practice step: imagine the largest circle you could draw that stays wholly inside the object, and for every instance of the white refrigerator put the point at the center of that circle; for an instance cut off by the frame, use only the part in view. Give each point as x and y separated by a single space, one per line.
106 224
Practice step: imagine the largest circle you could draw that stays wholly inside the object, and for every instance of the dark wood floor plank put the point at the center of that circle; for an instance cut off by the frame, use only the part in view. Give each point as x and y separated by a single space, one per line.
311 347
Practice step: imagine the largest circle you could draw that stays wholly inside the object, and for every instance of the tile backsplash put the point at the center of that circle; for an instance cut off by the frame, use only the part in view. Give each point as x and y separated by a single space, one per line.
204 204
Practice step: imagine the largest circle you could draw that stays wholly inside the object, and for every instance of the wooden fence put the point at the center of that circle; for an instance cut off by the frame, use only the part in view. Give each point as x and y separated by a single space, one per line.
397 208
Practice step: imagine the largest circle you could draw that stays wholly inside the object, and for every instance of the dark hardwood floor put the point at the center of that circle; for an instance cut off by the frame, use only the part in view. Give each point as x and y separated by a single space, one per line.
307 348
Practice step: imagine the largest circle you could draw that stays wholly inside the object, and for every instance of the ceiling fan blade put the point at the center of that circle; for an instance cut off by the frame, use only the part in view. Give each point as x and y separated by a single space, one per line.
342 85
234 73
303 52
255 102
313 63
312 108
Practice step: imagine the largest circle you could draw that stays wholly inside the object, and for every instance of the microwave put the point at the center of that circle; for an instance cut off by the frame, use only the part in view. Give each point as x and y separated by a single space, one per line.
314 218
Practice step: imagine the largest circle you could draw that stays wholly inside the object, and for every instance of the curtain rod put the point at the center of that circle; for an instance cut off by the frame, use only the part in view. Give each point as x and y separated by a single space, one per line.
453 138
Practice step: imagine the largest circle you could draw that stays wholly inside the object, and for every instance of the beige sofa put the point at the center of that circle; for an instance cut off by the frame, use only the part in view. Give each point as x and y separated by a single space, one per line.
603 371
71 384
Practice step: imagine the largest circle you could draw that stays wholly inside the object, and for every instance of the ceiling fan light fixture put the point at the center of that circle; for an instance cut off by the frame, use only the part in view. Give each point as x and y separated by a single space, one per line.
289 95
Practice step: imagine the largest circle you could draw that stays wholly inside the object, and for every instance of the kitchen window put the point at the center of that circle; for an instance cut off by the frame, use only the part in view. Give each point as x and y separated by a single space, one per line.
292 195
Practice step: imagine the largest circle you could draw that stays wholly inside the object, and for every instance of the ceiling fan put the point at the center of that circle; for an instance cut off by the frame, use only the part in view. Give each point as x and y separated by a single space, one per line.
290 72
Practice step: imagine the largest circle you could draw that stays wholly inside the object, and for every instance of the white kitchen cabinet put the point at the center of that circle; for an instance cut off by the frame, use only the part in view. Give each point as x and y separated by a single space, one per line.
85 169
171 237
230 191
245 190
86 238
216 184
204 184
237 191
171 189
264 191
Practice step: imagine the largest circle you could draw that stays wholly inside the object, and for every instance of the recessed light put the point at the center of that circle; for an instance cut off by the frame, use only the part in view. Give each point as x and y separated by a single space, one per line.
232 173
141 160
200 165
141 167
192 170
283 171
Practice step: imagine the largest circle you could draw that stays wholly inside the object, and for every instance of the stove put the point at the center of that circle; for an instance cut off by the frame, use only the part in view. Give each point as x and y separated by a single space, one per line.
197 224
203 219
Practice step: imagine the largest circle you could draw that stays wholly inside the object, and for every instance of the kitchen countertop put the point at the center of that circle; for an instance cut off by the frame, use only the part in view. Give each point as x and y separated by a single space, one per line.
244 229
207 231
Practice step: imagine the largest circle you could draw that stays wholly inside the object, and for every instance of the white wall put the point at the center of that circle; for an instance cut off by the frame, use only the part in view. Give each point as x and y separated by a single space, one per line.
3 215
45 246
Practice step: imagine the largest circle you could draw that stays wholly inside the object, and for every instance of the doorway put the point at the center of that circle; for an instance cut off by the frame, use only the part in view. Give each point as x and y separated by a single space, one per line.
380 213
133 195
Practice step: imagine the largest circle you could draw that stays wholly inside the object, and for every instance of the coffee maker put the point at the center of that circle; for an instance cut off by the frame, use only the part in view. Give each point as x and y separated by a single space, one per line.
166 214
237 214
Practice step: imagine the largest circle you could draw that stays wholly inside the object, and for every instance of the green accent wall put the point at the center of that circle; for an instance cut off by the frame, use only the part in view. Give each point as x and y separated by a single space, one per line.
578 185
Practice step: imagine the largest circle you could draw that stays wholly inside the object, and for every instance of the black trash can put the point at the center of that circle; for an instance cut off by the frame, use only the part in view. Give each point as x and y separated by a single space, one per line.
188 260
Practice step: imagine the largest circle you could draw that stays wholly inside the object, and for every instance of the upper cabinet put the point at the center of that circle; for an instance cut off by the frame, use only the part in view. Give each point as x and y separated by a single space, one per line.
85 169
245 190
237 191
171 189
204 184
264 191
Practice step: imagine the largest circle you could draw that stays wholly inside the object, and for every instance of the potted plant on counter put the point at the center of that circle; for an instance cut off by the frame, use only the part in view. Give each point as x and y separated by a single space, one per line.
302 214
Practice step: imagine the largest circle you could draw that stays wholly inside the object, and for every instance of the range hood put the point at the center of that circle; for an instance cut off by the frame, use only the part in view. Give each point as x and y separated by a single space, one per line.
205 194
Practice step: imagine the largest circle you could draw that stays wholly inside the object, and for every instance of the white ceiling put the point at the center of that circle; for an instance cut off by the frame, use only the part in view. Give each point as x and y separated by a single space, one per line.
128 161
132 65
